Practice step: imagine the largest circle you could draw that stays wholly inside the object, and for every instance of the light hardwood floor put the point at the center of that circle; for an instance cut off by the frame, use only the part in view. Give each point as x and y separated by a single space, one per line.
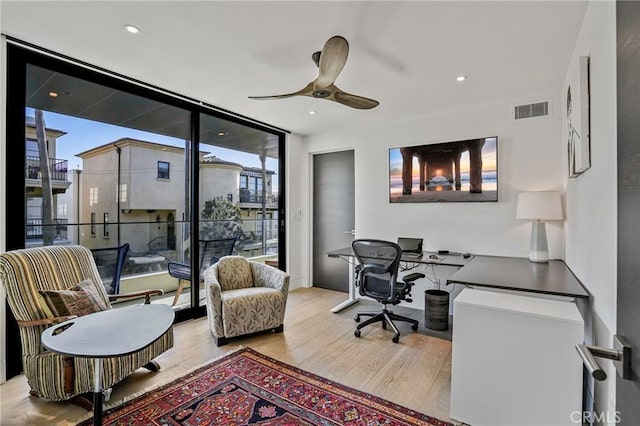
415 373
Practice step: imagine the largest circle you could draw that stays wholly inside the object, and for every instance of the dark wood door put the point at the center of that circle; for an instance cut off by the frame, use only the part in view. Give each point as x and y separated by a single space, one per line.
628 318
333 217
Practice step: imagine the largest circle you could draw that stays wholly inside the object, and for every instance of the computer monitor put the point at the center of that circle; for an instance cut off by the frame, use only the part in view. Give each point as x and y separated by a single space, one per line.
410 245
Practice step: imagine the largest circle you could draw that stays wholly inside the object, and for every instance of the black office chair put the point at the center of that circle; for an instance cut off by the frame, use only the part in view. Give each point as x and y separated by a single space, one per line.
210 252
110 263
377 277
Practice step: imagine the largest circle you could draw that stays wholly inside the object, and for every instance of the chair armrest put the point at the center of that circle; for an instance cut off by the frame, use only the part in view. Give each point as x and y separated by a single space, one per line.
137 294
213 293
268 276
412 277
46 321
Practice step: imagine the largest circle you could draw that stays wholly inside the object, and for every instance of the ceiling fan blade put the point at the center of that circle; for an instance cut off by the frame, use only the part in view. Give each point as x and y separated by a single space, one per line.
353 101
332 59
305 91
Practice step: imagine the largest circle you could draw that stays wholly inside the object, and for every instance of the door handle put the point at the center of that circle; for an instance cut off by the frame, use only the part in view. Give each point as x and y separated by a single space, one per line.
621 356
352 232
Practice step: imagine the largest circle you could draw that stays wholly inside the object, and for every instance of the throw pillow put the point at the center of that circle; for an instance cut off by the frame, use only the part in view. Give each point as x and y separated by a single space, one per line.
90 288
76 301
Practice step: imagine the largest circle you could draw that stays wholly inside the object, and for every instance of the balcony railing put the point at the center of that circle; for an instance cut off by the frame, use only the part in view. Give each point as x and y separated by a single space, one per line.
34 228
248 196
57 168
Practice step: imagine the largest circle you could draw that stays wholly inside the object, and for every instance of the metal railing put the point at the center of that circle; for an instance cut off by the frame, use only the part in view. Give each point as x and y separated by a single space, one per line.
248 196
57 168
34 227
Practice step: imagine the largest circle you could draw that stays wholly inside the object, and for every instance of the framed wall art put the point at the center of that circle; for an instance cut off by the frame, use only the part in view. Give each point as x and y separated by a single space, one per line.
457 171
577 118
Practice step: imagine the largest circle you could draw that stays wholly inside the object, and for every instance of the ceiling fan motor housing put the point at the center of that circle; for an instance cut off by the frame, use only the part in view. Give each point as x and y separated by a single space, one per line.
321 93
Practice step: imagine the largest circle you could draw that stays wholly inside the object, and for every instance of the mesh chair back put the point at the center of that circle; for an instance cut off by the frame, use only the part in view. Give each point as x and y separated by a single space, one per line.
110 263
212 250
379 261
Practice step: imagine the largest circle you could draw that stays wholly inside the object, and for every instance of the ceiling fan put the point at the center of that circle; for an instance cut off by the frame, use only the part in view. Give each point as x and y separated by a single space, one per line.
330 62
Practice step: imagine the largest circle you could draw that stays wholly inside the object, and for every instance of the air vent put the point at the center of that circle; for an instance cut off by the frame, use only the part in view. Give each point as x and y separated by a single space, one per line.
532 110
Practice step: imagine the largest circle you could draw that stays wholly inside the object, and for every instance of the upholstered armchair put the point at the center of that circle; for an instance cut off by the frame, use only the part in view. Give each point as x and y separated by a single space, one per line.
244 297
68 276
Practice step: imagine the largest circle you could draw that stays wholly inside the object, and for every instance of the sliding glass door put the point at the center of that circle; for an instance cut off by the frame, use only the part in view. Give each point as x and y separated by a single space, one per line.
114 165
239 189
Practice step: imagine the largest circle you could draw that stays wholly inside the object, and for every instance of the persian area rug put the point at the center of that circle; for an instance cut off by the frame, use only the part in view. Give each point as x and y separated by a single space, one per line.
248 388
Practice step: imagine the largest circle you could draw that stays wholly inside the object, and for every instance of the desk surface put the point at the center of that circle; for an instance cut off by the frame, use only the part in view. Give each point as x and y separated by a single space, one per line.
445 260
514 273
112 332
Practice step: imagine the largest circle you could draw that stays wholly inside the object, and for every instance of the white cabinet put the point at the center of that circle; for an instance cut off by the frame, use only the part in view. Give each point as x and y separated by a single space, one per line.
514 360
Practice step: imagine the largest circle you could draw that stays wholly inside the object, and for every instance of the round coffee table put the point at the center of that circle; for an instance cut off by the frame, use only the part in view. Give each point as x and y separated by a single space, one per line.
110 333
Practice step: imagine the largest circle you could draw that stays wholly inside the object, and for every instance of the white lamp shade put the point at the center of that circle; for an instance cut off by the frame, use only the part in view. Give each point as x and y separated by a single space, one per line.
543 205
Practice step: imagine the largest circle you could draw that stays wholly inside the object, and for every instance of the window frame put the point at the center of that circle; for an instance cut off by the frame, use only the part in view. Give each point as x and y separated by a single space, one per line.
105 225
168 170
92 229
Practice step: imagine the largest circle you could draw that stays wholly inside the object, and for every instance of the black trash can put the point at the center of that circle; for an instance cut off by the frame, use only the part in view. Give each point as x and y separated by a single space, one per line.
436 310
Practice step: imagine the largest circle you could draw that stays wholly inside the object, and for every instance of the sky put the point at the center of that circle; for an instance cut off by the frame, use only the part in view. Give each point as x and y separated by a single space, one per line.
489 159
86 134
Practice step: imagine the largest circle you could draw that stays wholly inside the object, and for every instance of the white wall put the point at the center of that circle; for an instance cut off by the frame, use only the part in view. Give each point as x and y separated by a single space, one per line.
297 206
591 198
529 159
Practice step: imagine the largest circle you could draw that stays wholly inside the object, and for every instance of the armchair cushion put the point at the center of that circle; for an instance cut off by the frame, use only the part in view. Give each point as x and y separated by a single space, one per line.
78 300
234 272
248 310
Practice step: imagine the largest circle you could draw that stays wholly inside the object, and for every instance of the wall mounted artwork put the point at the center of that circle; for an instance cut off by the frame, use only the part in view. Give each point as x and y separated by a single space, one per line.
577 118
458 171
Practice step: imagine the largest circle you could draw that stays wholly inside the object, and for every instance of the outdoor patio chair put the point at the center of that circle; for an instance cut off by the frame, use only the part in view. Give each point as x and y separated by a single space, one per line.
210 252
110 262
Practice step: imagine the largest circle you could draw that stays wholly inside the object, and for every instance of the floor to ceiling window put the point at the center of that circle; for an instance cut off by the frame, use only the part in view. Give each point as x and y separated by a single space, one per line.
114 166
240 181
108 170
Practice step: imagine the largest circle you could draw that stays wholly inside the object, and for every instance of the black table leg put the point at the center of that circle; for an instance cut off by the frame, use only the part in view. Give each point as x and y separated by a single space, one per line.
97 408
97 392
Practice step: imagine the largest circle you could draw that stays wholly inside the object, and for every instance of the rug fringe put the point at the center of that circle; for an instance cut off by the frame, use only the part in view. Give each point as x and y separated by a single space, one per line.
135 395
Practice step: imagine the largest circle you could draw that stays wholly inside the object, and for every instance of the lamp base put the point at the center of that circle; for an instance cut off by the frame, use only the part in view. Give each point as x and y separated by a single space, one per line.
538 250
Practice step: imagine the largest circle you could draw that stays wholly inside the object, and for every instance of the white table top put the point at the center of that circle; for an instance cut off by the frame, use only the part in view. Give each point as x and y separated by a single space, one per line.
113 332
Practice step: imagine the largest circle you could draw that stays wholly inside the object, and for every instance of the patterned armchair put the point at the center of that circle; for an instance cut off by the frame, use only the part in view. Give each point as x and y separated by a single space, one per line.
244 297
68 273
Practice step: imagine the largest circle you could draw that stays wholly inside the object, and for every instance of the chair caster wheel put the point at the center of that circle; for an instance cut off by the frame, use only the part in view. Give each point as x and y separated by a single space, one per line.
356 333
414 327
396 339
356 318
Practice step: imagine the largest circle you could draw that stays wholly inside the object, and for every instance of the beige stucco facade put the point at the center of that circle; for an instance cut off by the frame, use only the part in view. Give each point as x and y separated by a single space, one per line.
151 208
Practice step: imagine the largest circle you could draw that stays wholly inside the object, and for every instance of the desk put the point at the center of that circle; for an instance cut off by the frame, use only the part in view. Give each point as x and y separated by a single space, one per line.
497 272
456 260
114 332
519 274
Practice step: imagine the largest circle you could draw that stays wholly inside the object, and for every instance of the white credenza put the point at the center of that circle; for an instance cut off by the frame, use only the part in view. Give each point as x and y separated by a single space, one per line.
514 360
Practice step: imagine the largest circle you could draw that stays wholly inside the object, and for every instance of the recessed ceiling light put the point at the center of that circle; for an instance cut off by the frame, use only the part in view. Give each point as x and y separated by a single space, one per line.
132 29
312 112
461 78
53 94
222 134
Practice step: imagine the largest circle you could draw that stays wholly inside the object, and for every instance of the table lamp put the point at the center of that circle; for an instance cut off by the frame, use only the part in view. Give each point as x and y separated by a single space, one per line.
538 207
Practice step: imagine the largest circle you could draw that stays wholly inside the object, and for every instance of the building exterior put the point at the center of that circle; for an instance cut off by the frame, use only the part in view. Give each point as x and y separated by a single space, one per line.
150 183
59 177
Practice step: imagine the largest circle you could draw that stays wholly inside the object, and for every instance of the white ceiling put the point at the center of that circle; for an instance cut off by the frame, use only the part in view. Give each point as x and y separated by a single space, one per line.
404 54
